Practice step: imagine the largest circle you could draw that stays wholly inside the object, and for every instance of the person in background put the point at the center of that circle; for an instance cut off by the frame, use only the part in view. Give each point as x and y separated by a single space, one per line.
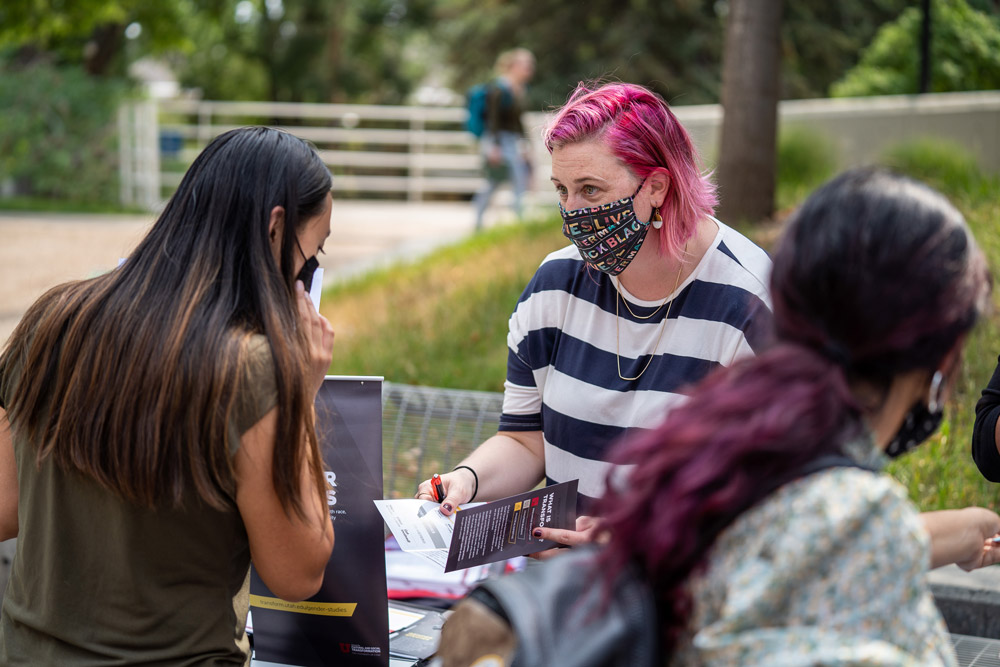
156 425
756 515
503 146
652 294
986 429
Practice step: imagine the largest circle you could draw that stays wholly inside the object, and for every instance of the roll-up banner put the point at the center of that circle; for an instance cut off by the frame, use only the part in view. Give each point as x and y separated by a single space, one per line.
346 623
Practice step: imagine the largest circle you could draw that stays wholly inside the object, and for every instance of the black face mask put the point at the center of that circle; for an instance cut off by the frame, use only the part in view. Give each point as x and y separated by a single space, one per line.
307 271
920 423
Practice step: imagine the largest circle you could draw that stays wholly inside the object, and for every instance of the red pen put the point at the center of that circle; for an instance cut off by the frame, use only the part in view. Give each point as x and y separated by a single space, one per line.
437 488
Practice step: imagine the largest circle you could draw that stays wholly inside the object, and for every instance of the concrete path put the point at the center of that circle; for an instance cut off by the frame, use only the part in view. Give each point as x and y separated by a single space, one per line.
40 250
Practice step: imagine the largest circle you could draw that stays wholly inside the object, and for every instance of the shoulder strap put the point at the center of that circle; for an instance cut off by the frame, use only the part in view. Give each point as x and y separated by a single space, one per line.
818 464
827 461
494 97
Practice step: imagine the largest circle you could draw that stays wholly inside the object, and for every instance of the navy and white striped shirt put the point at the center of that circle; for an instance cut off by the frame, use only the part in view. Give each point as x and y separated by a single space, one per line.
562 373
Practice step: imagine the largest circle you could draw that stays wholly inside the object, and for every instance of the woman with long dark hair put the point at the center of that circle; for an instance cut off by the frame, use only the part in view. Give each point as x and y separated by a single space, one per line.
156 425
758 512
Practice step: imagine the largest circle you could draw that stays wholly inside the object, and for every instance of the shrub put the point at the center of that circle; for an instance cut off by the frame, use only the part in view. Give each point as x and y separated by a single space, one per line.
58 137
805 161
945 165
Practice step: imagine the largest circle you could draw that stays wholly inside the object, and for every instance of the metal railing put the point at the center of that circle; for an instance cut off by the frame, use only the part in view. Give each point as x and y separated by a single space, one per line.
430 429
374 152
421 153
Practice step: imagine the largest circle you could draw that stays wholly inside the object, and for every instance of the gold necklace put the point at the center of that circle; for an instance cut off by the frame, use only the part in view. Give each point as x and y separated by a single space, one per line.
663 327
629 309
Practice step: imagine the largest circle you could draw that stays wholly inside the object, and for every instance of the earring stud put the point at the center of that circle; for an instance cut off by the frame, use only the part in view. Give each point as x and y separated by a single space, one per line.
934 396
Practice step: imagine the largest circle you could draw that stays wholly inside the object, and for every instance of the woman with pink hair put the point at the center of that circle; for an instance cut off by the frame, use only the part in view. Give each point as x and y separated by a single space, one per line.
652 294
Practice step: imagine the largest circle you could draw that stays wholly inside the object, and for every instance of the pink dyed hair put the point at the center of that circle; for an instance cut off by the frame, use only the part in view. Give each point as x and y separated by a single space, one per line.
644 134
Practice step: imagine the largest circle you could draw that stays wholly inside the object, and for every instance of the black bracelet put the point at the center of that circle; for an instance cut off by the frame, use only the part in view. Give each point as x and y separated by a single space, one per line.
475 476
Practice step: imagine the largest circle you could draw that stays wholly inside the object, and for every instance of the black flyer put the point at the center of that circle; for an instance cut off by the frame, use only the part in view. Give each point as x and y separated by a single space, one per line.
501 529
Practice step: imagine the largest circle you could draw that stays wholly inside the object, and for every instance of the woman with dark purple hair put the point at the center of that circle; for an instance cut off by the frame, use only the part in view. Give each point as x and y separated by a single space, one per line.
652 294
756 514
758 511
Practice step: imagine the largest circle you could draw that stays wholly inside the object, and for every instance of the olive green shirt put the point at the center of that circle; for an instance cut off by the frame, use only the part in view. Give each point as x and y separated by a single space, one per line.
97 580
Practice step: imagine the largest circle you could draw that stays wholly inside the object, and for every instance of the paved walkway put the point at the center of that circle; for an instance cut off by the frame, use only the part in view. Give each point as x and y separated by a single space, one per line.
40 250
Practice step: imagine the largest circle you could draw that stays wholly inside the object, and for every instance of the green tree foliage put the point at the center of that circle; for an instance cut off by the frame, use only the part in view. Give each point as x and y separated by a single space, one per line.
378 51
62 67
673 47
286 50
822 40
92 32
965 54
308 51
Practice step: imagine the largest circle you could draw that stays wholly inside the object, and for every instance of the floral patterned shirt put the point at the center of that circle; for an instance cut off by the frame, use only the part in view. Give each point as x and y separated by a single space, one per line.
828 570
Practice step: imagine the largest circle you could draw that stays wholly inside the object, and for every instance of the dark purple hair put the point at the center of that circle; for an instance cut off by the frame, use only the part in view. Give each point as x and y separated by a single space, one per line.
875 275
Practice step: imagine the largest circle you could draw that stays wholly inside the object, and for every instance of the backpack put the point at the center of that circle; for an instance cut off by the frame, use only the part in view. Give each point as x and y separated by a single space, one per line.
555 613
477 102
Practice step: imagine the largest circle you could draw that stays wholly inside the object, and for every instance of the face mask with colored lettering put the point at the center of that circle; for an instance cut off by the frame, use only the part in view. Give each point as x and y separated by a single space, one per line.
607 236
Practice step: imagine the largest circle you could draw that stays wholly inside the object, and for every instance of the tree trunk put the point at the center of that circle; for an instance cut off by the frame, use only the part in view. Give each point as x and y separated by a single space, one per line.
334 55
750 86
104 44
924 84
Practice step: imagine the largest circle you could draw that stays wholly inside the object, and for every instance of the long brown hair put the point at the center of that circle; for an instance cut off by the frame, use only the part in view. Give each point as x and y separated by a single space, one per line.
132 377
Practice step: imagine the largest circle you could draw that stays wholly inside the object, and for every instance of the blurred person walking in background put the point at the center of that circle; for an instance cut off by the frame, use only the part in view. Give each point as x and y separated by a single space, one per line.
495 110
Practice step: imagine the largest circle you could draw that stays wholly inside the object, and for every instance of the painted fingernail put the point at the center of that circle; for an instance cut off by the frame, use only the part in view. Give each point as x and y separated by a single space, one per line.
447 507
537 532
299 287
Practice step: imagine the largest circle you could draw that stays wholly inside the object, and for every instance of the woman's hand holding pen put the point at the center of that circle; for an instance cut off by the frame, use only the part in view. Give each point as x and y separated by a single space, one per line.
458 487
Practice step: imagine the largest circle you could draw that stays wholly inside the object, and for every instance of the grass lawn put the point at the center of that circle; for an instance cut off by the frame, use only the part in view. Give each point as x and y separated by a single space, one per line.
49 205
443 320
941 473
